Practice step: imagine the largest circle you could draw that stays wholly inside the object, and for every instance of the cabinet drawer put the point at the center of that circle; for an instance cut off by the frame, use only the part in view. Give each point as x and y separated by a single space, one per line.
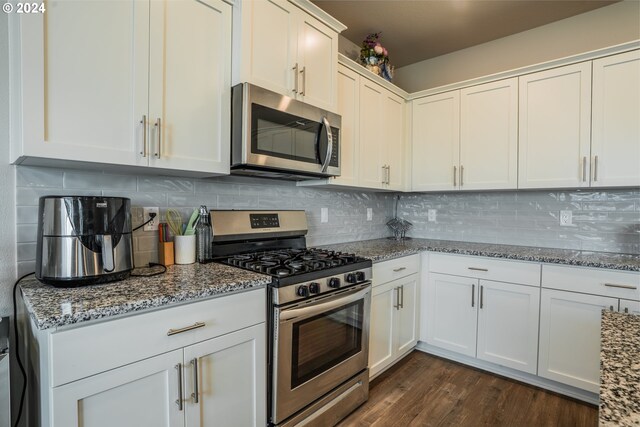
525 273
87 350
610 283
387 271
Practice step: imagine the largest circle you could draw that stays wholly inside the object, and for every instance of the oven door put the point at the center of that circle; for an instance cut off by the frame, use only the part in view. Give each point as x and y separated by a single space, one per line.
318 346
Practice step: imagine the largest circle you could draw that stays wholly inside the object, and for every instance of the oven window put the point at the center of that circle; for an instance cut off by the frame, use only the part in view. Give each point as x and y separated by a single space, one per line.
325 340
279 134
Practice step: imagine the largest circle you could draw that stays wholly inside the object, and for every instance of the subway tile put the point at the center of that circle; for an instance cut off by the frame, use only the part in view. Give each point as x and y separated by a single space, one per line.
26 251
216 187
190 200
140 199
165 184
26 267
26 196
98 181
26 214
26 233
28 176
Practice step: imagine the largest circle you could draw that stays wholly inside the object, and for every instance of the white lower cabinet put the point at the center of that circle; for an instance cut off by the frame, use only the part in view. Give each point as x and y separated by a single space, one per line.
394 319
627 306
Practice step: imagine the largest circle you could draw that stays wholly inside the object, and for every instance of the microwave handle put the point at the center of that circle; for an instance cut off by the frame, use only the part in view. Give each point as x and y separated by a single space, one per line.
327 159
322 307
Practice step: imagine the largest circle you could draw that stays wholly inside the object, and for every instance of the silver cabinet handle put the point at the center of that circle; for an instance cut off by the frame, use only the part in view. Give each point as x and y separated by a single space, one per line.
610 308
584 169
185 329
144 136
303 73
595 168
454 176
461 175
384 174
481 296
613 285
399 269
194 395
626 309
388 174
397 305
295 78
473 295
158 127
402 296
179 401
477 269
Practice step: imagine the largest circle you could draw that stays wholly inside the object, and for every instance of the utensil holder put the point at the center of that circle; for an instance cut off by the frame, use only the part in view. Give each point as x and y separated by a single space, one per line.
165 253
185 249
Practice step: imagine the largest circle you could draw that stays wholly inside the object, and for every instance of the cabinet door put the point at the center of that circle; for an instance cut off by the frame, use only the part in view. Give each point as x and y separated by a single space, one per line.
629 306
436 142
570 337
190 85
508 325
384 301
489 136
318 57
274 38
142 394
84 86
348 107
231 386
615 143
393 142
451 313
554 127
406 324
371 138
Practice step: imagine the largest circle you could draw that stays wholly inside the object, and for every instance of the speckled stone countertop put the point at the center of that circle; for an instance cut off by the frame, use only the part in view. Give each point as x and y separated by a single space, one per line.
385 249
620 369
52 307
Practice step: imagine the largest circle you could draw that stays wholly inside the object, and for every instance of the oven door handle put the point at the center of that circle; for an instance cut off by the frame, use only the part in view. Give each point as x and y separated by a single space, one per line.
324 306
327 159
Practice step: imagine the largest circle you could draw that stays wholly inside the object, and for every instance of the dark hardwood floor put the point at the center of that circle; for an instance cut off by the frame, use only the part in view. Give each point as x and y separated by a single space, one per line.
424 390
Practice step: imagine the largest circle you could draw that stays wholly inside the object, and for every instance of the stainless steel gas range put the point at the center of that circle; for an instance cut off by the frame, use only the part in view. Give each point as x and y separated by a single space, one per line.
318 311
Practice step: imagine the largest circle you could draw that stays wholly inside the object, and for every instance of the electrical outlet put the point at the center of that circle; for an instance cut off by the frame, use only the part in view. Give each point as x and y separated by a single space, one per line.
324 214
431 215
566 218
369 214
153 225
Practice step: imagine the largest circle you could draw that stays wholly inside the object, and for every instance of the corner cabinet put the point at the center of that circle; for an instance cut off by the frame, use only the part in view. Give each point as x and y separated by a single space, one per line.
210 370
298 60
394 312
86 93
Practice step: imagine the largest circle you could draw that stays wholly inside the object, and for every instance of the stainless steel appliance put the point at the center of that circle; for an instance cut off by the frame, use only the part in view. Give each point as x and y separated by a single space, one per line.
83 240
318 311
279 137
5 407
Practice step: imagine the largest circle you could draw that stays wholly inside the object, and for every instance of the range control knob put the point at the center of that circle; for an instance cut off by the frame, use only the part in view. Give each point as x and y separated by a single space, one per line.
352 278
360 276
314 287
302 291
334 282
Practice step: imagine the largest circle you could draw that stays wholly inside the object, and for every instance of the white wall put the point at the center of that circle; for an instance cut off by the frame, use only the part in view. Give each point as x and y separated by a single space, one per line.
607 26
7 182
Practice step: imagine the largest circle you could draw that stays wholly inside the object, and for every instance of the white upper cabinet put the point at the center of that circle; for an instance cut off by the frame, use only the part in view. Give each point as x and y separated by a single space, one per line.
392 127
615 140
348 108
436 142
554 128
106 82
286 49
489 136
372 172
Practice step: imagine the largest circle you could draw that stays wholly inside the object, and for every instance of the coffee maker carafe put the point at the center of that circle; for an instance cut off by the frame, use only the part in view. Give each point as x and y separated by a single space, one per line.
83 240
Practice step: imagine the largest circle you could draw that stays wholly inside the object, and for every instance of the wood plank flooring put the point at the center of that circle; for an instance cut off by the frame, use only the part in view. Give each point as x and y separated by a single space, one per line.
424 390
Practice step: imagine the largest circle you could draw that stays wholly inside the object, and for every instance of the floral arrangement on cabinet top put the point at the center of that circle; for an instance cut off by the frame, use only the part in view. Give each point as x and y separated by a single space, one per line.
375 57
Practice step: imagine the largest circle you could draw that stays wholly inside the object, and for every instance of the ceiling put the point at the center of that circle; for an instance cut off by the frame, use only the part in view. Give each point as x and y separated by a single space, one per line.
416 30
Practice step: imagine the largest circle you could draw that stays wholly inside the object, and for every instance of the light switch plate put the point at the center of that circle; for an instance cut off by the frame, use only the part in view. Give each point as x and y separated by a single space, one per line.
566 218
324 214
369 214
431 215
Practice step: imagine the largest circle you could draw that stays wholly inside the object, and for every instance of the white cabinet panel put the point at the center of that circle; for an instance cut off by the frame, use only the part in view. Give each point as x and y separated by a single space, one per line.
554 127
508 325
628 306
407 315
451 311
436 142
489 136
393 143
570 337
615 143
371 115
348 108
142 394
381 338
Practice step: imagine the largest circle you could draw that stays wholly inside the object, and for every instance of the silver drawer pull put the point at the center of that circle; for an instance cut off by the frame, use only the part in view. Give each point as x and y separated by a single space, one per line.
399 269
179 400
185 329
613 285
477 269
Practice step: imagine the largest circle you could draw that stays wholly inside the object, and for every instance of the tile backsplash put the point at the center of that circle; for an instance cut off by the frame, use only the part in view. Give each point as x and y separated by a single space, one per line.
607 220
602 220
347 209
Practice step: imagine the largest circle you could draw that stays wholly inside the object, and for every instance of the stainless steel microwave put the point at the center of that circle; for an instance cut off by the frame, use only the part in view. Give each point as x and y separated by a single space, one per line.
276 136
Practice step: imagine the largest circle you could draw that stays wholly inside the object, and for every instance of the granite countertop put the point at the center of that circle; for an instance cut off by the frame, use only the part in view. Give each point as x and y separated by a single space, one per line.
620 369
52 307
385 249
